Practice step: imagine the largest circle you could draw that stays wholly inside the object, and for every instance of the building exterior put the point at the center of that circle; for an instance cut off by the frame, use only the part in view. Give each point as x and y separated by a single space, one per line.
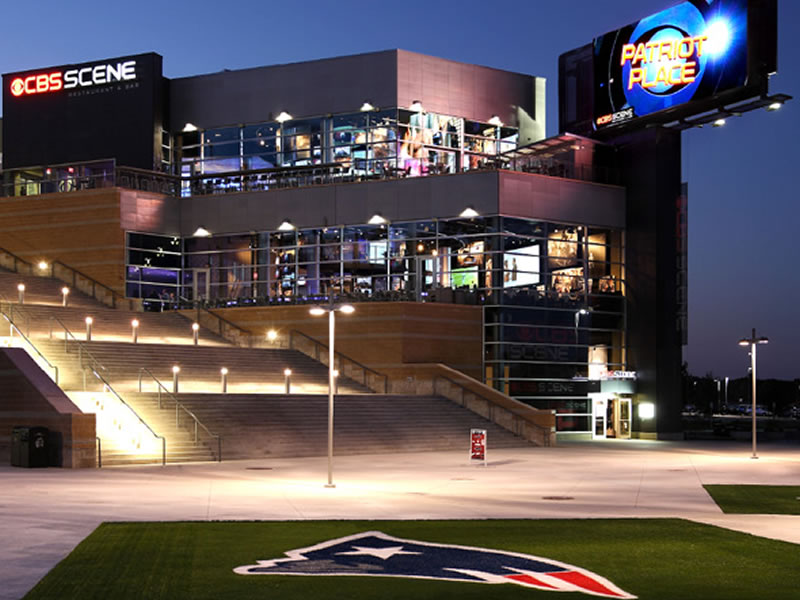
390 176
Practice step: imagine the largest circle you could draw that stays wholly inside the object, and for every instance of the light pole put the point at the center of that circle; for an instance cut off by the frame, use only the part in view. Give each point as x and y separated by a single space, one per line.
318 311
752 341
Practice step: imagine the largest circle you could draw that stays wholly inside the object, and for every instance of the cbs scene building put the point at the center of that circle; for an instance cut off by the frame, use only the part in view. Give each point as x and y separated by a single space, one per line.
423 189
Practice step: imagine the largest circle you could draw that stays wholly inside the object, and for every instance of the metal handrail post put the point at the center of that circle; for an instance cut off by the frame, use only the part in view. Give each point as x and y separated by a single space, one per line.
140 381
195 430
177 417
163 451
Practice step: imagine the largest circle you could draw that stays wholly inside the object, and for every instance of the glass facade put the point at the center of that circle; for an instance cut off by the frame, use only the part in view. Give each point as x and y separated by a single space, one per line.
553 294
376 142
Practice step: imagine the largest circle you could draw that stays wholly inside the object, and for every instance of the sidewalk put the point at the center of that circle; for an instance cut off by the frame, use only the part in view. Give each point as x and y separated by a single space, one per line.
44 514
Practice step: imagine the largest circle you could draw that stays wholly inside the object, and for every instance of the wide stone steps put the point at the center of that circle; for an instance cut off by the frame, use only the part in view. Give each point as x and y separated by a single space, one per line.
249 370
254 426
42 290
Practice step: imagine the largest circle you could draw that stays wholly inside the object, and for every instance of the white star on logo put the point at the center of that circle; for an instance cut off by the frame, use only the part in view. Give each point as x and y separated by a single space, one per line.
383 553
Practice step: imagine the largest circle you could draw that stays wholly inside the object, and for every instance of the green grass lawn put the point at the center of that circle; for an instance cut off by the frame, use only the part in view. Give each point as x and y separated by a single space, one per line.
649 558
757 499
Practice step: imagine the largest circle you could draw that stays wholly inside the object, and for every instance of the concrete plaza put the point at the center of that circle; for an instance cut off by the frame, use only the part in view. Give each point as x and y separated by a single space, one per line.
45 513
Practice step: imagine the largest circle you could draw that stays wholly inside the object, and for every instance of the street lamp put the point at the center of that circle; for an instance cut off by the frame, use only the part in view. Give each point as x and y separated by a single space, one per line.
752 341
318 311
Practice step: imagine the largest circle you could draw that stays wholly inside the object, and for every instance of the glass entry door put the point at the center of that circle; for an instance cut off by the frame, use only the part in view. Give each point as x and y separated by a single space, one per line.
622 415
599 419
201 284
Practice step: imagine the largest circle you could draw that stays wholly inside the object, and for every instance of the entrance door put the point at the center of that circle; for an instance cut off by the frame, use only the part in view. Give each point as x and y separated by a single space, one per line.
201 284
622 416
599 419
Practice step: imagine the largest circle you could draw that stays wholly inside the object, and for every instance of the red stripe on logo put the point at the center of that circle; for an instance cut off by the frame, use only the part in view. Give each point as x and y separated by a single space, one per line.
530 581
585 582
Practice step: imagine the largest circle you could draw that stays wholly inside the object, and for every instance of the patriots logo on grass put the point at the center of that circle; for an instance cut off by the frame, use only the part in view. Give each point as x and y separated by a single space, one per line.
375 554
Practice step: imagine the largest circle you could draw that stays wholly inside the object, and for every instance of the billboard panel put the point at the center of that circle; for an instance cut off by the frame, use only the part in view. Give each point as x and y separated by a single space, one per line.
691 52
110 108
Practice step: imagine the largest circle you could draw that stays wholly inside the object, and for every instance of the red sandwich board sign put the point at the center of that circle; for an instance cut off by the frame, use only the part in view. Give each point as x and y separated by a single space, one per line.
477 445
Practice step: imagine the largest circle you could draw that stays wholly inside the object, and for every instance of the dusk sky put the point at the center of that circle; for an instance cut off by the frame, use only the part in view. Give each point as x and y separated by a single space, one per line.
744 218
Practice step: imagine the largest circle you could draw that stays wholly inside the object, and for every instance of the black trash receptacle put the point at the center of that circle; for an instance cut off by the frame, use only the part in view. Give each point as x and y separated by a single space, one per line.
38 452
18 435
29 447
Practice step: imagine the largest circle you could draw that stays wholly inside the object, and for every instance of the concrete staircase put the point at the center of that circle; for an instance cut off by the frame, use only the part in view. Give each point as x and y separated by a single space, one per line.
249 370
258 426
254 419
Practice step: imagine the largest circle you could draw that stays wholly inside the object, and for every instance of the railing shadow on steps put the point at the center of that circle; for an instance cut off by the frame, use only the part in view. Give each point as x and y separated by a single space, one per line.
94 367
79 281
533 425
348 367
180 407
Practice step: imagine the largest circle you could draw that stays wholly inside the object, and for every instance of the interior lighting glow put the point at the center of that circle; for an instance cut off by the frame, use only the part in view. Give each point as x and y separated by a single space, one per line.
190 127
43 265
317 311
366 107
377 219
201 232
469 213
647 410
286 226
272 335
774 106
283 117
719 122
347 309
21 287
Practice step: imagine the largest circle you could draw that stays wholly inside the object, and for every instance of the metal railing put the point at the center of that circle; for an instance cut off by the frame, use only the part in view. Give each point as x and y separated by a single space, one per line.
501 415
224 328
110 390
320 350
80 281
12 262
27 344
94 364
178 407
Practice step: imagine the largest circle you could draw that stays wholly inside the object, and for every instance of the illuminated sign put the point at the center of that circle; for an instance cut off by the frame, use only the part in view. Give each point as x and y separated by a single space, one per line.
81 77
692 51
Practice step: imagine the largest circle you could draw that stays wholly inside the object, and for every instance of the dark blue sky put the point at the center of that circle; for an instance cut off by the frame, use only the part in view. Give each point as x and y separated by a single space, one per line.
744 218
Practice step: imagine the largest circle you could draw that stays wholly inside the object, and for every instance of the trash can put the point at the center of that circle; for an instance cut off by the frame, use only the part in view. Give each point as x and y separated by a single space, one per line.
29 447
17 435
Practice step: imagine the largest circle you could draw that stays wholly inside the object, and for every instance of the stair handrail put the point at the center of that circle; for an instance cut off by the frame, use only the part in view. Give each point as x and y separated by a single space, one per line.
13 327
342 357
108 388
180 406
16 307
16 261
73 278
115 297
96 364
544 431
222 321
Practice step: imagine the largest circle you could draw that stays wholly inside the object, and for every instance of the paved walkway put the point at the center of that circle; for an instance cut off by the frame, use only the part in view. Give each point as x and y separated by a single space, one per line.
44 514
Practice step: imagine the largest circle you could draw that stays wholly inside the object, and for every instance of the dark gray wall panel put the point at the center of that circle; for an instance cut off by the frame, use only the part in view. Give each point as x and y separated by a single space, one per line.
334 85
565 200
